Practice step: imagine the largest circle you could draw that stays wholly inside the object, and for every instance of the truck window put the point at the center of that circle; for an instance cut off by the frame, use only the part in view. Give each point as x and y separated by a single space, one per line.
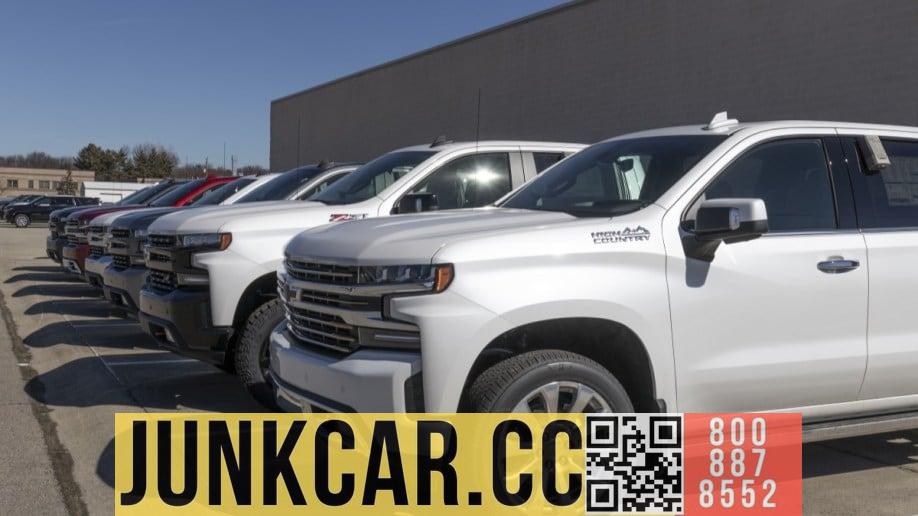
544 160
372 178
791 176
891 195
614 177
469 181
320 186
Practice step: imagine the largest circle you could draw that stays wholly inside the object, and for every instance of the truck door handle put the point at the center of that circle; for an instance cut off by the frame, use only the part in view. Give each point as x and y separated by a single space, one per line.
837 265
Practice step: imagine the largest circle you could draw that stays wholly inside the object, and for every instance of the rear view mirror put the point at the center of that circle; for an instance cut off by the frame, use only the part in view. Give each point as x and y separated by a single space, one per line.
728 221
624 165
418 202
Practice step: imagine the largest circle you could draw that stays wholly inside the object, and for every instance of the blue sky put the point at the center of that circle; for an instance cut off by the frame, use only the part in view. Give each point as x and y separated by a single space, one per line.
192 75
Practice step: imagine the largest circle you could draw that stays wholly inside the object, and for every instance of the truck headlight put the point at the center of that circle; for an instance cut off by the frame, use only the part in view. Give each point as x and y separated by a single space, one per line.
207 241
434 277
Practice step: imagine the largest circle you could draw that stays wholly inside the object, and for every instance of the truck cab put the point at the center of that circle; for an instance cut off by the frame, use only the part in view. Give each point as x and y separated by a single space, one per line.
715 268
211 291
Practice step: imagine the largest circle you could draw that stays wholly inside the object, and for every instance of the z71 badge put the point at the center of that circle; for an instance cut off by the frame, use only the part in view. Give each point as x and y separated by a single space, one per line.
638 234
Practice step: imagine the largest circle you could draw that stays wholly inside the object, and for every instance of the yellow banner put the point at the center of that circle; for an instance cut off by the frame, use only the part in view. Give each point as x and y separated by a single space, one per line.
319 464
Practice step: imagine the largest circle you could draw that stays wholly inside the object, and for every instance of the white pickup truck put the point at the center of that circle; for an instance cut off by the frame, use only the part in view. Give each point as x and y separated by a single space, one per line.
713 268
211 291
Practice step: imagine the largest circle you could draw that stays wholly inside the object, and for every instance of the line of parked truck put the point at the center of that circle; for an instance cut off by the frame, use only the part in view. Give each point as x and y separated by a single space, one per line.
712 268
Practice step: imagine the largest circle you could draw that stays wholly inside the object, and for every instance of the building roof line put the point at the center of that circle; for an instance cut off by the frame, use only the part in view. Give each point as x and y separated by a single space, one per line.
464 39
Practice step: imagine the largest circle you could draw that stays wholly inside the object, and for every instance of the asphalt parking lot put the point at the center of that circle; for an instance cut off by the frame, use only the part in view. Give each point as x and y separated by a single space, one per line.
69 362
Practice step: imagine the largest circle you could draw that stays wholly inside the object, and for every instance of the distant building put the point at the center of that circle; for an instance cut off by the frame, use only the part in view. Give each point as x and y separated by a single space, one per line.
109 191
590 70
18 181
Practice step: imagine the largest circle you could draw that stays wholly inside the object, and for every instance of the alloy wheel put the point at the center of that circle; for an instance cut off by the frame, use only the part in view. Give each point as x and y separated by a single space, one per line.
563 397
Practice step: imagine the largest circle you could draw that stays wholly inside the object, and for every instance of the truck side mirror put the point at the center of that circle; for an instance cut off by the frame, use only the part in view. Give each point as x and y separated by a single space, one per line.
418 202
728 221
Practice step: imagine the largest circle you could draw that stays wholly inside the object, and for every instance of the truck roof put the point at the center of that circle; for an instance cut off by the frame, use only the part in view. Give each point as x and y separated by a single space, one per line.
450 146
733 128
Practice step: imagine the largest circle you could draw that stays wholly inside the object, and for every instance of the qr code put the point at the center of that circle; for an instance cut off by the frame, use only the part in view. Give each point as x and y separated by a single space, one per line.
634 464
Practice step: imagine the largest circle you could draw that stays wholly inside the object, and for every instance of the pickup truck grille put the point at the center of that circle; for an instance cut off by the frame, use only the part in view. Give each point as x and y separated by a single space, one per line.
96 251
75 234
322 272
121 261
121 233
162 241
320 329
161 281
341 301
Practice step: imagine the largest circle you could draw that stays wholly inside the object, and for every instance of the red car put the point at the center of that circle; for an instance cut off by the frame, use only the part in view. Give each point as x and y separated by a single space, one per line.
77 248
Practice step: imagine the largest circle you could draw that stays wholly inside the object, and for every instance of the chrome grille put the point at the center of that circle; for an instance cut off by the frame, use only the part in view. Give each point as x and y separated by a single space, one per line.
162 241
322 272
96 251
161 281
321 329
121 261
75 234
121 233
340 300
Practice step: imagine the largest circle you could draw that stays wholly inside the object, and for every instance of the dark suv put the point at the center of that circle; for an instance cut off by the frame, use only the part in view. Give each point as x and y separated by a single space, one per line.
22 215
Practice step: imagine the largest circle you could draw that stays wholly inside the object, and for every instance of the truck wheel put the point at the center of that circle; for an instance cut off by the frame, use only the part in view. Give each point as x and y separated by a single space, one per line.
548 381
251 354
22 220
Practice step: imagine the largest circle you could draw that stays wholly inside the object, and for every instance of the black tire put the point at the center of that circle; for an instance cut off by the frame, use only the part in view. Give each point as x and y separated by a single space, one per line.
251 351
21 220
504 385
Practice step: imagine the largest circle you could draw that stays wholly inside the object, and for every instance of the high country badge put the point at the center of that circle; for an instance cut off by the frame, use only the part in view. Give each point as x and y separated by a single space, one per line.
638 234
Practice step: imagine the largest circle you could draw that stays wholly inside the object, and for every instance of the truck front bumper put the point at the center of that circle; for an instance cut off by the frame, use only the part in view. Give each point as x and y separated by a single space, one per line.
74 258
122 286
95 268
368 380
54 248
180 321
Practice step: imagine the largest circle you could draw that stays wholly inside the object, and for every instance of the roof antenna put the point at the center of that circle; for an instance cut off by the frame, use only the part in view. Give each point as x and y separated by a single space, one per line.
478 121
439 140
721 121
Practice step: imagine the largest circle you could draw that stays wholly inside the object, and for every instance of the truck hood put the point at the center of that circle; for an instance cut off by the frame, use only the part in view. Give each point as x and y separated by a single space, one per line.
64 212
234 217
412 238
141 219
91 213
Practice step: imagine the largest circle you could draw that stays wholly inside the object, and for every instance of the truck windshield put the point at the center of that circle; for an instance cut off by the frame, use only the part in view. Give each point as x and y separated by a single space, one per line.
137 197
615 177
282 186
214 197
175 195
371 179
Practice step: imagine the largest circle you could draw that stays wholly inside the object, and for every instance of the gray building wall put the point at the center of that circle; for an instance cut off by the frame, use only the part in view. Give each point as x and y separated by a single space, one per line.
593 69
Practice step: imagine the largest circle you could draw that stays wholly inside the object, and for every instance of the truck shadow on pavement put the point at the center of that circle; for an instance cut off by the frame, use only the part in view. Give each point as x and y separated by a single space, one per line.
42 268
109 334
44 276
70 290
96 308
152 381
897 449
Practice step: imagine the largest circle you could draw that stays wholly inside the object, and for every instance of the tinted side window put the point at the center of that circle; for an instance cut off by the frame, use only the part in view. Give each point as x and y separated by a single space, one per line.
791 176
320 187
470 181
198 196
544 160
891 195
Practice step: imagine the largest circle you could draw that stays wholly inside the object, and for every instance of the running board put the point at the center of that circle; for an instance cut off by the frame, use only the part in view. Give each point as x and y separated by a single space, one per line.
840 429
